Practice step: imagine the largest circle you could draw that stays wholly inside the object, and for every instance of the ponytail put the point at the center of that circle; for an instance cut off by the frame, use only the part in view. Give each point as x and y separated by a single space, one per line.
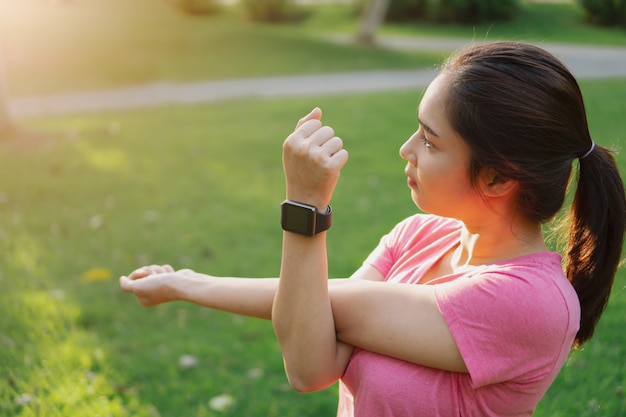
522 114
596 235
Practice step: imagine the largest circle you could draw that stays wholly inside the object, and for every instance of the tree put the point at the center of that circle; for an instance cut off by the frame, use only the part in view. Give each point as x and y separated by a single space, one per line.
373 15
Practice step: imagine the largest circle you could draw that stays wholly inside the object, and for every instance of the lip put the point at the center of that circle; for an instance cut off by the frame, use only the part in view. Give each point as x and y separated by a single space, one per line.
410 181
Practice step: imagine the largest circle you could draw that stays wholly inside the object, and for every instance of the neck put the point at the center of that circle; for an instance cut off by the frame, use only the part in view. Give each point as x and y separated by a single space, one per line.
496 242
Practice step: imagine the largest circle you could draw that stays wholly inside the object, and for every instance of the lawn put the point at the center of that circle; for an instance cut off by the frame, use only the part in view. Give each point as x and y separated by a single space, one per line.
95 196
85 45
56 46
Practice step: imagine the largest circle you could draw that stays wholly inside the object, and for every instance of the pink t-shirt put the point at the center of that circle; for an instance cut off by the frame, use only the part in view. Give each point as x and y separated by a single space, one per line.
514 323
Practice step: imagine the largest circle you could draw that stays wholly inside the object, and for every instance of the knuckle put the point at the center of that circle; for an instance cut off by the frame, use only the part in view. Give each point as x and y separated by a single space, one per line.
329 131
316 123
337 142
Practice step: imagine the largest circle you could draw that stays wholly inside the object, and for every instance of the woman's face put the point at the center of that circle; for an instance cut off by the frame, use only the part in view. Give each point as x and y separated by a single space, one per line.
438 160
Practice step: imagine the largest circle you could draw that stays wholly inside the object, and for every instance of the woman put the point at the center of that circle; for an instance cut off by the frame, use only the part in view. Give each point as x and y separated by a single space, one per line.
462 311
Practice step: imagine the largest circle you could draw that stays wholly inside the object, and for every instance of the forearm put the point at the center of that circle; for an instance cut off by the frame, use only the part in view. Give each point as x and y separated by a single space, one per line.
245 296
302 315
154 285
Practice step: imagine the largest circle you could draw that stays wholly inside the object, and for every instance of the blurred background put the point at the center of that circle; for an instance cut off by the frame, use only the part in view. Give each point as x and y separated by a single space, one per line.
150 131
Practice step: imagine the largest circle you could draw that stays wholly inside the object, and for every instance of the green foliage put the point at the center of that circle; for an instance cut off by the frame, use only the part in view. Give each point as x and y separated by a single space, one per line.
605 12
561 22
275 11
473 11
449 11
407 10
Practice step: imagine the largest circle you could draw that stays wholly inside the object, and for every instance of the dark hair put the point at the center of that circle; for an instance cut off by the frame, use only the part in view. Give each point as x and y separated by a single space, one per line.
522 114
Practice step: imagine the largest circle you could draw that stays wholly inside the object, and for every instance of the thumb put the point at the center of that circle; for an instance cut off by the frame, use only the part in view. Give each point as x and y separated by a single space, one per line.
316 113
126 284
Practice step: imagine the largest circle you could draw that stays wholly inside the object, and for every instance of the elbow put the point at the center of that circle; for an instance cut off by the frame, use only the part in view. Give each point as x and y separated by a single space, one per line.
301 386
309 383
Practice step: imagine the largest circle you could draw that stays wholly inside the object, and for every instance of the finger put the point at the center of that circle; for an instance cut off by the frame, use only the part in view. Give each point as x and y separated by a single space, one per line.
307 129
332 146
168 268
139 273
322 135
158 269
316 113
340 158
126 283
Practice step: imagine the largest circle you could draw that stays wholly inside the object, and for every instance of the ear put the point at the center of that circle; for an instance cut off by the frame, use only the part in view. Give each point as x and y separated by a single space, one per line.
494 185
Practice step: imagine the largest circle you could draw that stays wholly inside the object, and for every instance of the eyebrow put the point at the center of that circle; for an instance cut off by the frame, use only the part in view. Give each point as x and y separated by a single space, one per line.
426 128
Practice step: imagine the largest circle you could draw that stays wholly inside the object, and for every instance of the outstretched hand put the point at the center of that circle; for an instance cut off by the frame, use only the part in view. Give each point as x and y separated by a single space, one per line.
152 285
312 160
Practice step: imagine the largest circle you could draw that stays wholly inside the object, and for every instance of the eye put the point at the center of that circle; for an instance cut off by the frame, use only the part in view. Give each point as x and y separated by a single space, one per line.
422 136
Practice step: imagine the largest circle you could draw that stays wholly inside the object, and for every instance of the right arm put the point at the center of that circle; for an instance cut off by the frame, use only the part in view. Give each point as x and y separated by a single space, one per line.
253 297
363 314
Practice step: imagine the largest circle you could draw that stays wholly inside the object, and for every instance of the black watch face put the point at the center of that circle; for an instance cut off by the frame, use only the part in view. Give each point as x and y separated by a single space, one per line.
298 219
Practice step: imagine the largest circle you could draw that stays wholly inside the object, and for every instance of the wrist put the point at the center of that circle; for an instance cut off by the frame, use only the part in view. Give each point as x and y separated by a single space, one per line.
186 287
310 199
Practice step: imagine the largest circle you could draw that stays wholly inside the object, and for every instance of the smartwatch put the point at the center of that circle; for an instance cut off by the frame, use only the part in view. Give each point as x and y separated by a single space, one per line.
304 219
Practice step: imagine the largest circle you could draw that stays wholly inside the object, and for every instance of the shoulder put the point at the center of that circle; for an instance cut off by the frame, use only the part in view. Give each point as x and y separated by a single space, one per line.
528 286
535 281
516 312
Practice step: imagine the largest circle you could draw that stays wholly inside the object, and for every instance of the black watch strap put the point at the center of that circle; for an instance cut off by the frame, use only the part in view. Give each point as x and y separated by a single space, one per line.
323 220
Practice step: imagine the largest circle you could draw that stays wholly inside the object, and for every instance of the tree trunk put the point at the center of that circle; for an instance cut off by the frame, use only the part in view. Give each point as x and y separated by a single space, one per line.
373 16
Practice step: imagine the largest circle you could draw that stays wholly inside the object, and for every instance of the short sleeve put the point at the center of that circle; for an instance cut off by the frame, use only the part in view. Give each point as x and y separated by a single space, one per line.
382 257
510 324
392 245
412 243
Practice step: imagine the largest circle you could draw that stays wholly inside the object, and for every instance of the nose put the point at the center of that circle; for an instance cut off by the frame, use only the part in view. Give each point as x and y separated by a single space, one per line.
408 151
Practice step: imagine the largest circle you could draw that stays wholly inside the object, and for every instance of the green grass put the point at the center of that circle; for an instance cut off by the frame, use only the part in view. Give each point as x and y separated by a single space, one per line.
199 187
105 43
61 46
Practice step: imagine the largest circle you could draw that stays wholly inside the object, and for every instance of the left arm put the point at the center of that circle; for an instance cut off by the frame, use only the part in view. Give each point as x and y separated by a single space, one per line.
301 314
313 322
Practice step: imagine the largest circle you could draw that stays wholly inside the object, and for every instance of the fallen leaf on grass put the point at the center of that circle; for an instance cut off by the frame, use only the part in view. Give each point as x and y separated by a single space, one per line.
187 361
96 222
96 274
23 399
221 402
254 373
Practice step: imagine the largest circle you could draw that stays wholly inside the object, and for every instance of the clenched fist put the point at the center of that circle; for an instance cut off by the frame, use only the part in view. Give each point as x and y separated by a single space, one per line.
312 159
